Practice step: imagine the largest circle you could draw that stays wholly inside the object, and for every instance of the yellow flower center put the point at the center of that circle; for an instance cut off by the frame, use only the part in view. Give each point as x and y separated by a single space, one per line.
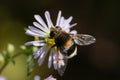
36 38
50 42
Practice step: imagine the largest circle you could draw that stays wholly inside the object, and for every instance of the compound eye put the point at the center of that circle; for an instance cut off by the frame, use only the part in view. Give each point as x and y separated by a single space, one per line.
52 34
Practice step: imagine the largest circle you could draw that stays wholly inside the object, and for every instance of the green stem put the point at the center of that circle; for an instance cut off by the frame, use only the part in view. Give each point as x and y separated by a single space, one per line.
7 62
3 67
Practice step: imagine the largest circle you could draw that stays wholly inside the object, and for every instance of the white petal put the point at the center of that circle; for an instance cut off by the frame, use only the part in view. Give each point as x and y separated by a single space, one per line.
67 30
37 77
49 22
42 56
31 33
73 25
69 19
66 22
58 18
50 78
38 52
40 20
40 27
68 26
50 59
38 44
55 60
35 43
2 77
35 30
73 32
61 22
41 59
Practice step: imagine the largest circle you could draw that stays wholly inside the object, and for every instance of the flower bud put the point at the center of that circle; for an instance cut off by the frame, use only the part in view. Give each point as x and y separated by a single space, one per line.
10 49
23 47
35 49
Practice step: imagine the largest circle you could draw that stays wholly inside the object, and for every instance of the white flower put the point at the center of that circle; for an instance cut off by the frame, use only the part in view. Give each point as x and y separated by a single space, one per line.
2 77
50 78
37 77
42 30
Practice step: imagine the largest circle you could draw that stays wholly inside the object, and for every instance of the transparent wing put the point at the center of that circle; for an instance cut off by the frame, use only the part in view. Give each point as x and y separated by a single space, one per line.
62 63
62 69
83 39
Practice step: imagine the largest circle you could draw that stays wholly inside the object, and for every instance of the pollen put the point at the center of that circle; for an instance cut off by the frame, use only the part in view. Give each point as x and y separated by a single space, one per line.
50 42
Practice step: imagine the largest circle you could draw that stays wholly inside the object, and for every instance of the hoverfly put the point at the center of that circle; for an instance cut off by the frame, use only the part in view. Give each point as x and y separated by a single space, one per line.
66 44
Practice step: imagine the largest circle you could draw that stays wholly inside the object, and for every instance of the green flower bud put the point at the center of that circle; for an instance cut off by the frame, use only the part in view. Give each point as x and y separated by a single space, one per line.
10 49
23 47
35 49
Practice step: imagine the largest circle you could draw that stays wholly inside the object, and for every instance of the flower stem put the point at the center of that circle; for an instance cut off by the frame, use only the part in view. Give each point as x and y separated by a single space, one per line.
7 62
3 67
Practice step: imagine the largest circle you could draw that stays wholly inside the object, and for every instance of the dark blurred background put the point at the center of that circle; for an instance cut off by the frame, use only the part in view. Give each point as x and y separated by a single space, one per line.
100 18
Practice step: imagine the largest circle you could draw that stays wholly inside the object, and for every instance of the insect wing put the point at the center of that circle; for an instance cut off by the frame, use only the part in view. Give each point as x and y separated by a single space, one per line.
62 69
62 63
83 39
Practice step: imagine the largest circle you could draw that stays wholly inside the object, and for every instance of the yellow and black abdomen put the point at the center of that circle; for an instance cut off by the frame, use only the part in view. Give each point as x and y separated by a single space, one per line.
65 44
